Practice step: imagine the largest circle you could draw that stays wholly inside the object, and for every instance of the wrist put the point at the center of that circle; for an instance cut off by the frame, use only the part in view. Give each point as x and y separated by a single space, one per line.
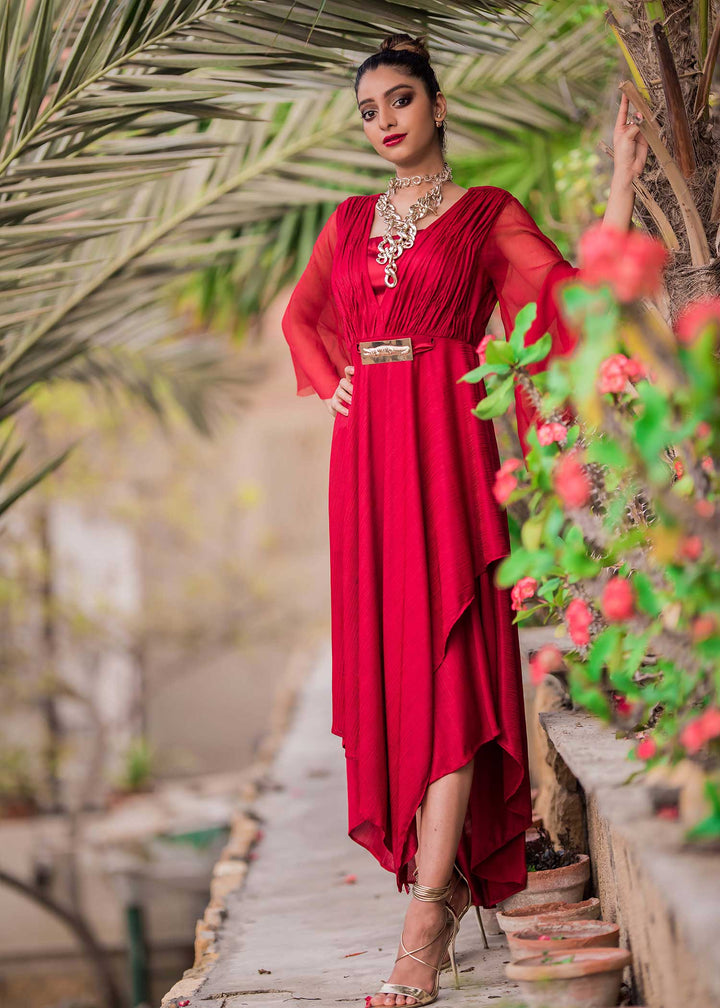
622 183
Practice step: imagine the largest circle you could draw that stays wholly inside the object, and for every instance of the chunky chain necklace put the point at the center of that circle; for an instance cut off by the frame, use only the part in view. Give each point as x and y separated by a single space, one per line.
400 231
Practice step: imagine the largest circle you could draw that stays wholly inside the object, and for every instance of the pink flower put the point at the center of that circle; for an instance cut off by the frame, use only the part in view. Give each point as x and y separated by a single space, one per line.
505 482
548 659
611 377
695 317
703 626
646 749
703 429
524 589
616 370
691 547
635 369
707 464
679 468
701 730
621 705
570 481
705 508
618 599
578 618
630 262
551 432
482 345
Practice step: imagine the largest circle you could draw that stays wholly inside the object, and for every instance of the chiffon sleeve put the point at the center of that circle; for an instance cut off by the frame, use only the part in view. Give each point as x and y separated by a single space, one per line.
310 323
525 265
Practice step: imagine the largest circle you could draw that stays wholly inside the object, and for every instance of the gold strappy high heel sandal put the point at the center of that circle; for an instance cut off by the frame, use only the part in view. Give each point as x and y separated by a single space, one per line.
459 916
430 894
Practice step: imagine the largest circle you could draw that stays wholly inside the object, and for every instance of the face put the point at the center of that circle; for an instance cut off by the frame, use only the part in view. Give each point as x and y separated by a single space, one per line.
391 104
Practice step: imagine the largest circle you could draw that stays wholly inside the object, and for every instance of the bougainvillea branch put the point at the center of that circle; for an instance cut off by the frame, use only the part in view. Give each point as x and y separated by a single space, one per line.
622 536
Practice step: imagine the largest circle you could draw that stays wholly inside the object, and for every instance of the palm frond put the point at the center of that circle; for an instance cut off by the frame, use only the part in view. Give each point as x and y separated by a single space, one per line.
108 189
254 210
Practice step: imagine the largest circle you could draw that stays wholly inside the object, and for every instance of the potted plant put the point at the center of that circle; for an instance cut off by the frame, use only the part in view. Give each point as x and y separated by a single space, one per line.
544 937
554 873
136 776
548 913
586 978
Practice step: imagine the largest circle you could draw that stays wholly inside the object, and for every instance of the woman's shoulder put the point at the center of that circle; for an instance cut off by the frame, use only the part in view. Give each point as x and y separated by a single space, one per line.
356 202
493 192
352 208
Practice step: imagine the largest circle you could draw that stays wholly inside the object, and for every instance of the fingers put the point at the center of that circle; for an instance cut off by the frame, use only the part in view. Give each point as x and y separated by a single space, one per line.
343 392
622 110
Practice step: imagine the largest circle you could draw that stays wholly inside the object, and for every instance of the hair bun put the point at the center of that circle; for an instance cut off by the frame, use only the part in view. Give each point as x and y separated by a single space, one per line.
403 41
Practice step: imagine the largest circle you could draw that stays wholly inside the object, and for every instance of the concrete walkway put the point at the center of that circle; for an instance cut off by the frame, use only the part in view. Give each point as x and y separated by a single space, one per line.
297 931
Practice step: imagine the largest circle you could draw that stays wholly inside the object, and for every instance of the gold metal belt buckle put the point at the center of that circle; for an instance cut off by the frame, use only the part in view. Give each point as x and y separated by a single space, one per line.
384 351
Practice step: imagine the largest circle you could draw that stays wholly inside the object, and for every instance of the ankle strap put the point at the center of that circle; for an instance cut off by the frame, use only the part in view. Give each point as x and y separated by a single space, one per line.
430 894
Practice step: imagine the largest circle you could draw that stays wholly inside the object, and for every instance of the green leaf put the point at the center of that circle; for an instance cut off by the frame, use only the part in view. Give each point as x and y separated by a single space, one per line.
523 563
482 371
536 351
606 451
523 320
602 648
499 352
709 648
532 532
572 435
651 428
591 699
32 480
647 599
548 587
497 402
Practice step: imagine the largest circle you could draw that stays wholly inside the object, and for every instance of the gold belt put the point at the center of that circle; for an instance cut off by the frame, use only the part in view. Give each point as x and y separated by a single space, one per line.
397 348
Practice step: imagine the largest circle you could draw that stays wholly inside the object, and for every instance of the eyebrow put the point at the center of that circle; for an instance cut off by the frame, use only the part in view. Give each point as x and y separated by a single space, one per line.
388 92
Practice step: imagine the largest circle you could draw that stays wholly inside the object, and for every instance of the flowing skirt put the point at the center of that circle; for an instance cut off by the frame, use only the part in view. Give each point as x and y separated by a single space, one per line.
426 663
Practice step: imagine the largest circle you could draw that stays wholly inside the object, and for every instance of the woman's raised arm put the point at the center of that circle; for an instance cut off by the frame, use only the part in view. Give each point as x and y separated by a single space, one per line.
525 265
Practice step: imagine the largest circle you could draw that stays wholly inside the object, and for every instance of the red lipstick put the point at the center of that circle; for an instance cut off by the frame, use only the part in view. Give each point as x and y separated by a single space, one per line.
393 139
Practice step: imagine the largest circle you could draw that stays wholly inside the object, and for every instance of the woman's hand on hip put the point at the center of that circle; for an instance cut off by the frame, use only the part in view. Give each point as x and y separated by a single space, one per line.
342 394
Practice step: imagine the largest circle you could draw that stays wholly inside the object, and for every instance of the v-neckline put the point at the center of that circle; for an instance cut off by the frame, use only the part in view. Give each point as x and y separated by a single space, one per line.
420 230
382 304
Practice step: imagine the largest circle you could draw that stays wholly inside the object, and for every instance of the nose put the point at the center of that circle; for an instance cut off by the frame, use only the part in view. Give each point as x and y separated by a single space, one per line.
386 119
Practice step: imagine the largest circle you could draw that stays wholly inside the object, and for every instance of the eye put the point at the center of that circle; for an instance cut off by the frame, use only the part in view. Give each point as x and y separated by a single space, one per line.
402 98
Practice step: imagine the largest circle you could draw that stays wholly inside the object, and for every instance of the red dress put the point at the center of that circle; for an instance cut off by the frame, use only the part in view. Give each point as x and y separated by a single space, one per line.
425 659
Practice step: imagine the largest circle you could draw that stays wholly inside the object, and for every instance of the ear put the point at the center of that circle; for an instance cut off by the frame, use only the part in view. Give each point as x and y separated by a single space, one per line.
439 106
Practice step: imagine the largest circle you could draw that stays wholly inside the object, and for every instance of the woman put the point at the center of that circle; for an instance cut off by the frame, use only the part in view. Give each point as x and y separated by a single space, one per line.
426 680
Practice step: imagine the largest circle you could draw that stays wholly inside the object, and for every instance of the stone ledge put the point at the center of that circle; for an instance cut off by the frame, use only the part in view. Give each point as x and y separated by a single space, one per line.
664 895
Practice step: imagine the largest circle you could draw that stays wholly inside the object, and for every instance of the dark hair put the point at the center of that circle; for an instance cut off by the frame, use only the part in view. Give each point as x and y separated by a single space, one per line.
411 55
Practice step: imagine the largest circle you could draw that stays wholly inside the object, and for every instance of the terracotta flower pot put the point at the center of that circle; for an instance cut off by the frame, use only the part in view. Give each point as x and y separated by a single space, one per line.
586 978
548 913
567 884
558 938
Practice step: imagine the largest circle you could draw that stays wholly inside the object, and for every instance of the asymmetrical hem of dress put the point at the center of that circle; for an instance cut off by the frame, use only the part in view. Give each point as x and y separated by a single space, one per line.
491 855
